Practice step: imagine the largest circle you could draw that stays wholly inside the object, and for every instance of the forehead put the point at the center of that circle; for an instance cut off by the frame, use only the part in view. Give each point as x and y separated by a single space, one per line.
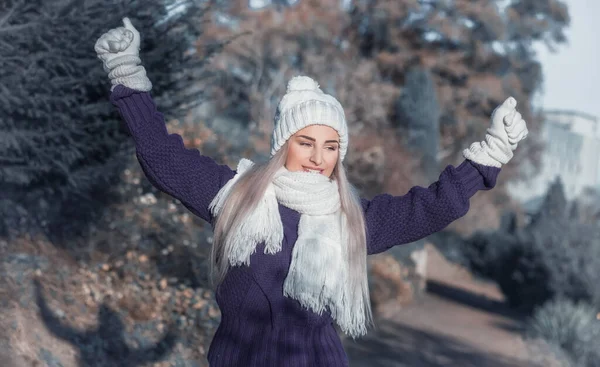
319 132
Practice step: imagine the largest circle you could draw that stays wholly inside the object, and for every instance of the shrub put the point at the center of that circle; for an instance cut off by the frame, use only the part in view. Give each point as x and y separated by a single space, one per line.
554 256
571 326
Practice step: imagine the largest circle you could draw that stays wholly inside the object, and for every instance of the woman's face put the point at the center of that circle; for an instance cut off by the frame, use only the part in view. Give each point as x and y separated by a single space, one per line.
316 147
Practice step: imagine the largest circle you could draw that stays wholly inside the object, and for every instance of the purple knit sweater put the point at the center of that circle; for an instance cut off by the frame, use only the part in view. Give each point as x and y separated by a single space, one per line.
259 326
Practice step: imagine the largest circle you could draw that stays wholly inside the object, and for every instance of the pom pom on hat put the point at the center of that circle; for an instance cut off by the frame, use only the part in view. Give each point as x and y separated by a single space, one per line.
301 83
305 104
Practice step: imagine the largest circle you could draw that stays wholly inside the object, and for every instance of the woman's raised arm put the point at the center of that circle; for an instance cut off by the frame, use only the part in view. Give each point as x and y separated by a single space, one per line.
395 220
182 173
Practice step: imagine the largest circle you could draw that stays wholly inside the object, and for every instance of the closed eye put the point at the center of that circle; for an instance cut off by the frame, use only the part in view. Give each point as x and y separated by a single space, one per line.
305 144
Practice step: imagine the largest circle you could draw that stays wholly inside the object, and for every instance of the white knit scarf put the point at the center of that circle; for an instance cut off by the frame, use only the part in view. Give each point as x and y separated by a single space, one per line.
318 274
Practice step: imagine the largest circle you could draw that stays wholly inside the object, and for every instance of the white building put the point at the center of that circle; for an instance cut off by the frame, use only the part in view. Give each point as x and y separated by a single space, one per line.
572 151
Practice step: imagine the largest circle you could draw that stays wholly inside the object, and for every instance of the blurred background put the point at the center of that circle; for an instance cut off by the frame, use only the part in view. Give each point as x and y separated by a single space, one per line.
98 268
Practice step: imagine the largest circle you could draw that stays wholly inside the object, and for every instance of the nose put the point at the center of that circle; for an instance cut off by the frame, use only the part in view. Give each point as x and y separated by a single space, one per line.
316 157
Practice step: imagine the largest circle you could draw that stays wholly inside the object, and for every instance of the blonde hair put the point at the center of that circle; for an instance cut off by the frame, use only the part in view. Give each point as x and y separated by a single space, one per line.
251 187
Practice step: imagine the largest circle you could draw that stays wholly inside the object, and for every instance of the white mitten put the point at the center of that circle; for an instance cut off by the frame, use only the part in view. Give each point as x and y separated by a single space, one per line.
119 50
516 128
506 131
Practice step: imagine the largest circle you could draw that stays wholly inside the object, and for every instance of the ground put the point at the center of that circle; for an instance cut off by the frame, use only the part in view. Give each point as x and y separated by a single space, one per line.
459 321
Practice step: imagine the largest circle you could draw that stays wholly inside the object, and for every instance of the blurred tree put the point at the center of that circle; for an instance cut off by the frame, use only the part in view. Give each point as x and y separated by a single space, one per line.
554 208
61 142
478 53
587 206
418 113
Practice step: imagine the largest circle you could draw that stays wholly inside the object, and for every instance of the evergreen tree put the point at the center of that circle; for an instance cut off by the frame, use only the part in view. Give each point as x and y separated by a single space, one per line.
418 113
62 144
554 207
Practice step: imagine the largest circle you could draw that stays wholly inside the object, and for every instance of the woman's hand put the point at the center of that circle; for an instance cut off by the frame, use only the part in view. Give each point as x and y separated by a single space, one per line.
119 51
507 129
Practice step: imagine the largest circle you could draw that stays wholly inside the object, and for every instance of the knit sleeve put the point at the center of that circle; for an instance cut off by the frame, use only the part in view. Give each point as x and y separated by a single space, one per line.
183 173
395 220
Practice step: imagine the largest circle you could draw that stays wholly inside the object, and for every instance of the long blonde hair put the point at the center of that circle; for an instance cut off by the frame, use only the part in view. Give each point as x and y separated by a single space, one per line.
251 187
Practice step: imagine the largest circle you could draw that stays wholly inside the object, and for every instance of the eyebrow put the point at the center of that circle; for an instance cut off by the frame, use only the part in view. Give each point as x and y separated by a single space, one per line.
313 139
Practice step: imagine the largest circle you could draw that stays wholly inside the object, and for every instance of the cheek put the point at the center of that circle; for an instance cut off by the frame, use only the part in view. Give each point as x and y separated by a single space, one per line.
294 158
332 158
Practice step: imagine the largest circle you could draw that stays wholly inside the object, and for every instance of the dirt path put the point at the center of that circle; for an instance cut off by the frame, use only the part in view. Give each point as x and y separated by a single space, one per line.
459 322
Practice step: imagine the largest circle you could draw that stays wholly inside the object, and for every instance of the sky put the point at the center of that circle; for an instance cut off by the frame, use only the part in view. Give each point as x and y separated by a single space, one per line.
572 75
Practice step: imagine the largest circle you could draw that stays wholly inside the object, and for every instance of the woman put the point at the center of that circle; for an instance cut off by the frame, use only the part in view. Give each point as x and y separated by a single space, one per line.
291 235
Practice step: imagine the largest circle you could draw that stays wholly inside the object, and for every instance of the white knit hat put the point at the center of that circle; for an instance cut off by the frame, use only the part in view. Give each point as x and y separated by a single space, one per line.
305 104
